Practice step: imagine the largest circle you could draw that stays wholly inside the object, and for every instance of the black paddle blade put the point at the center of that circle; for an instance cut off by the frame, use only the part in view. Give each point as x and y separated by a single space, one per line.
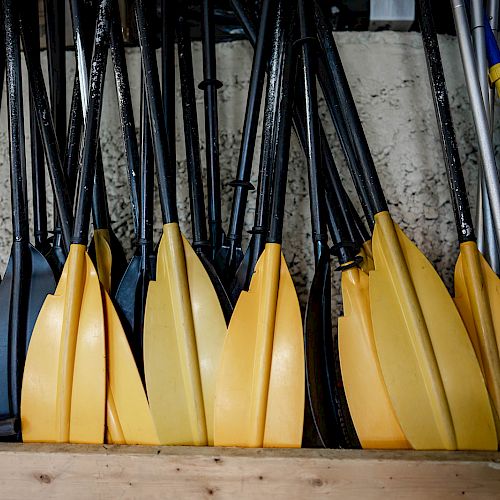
226 262
130 300
41 282
56 257
327 422
239 282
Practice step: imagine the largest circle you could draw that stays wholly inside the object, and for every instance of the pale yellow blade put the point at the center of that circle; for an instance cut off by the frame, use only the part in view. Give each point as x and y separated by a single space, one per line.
260 387
103 256
210 328
429 366
64 383
478 300
172 370
369 404
129 418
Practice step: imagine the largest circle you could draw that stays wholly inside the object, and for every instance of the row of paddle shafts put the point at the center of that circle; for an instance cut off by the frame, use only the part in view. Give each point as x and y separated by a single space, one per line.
201 342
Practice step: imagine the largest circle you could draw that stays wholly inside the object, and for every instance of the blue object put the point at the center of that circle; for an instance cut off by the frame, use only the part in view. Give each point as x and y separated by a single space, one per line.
492 50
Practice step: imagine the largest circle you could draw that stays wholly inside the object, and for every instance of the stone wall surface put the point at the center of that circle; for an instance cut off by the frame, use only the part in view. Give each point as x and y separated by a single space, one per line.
388 77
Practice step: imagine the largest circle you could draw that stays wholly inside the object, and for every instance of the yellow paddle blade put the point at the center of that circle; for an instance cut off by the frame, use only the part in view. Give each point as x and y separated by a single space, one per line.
429 366
64 383
477 296
184 332
210 327
129 418
103 257
260 387
369 404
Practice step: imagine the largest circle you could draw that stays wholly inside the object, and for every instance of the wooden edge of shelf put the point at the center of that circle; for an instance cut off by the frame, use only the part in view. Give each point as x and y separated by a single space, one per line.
87 471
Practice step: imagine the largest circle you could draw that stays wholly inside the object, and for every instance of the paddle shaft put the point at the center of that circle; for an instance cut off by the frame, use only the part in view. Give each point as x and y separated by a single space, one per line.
313 154
364 174
83 13
165 162
242 183
168 73
191 137
283 29
46 126
93 117
126 110
463 217
479 113
210 85
37 159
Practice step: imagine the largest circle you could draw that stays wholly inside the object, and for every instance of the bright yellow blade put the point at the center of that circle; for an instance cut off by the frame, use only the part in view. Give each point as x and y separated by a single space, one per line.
260 387
369 404
429 366
184 331
103 256
477 296
64 383
210 328
129 418
367 256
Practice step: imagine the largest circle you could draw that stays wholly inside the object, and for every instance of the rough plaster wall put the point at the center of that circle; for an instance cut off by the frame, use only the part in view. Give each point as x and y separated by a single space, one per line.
388 77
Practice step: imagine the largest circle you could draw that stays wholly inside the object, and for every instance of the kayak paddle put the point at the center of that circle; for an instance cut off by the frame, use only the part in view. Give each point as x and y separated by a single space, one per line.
28 277
476 285
64 386
260 385
438 393
184 327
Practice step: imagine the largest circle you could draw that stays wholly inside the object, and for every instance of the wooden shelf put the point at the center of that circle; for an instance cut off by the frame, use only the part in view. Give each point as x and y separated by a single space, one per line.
82 471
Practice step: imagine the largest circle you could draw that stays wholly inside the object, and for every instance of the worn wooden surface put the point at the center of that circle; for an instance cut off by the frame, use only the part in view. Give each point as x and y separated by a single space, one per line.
80 471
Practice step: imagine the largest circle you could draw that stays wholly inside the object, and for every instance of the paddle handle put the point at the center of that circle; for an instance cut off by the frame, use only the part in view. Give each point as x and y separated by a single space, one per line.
165 162
283 32
191 136
460 202
364 174
126 111
47 129
242 183
168 72
210 85
92 121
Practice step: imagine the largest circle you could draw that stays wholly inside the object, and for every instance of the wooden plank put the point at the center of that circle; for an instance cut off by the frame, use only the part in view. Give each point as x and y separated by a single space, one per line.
81 471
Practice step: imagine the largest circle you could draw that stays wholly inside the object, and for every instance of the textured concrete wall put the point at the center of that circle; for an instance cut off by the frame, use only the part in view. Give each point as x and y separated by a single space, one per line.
388 76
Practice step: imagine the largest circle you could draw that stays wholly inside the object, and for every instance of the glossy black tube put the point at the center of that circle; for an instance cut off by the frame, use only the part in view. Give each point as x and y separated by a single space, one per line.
191 137
283 29
209 85
126 112
364 175
46 125
91 133
460 202
244 171
165 162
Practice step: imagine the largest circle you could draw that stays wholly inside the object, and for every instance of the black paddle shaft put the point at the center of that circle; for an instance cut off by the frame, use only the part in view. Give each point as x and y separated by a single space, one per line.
308 42
46 125
168 72
210 85
37 159
282 29
126 111
83 18
364 174
165 162
20 273
463 218
242 183
196 195
91 133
